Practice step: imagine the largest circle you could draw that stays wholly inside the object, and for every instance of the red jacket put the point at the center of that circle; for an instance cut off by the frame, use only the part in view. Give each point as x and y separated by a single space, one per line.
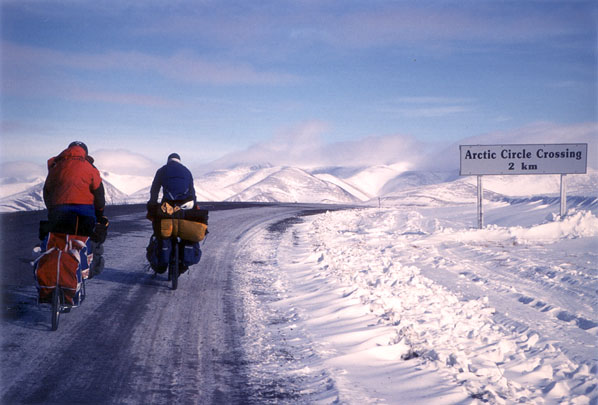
73 179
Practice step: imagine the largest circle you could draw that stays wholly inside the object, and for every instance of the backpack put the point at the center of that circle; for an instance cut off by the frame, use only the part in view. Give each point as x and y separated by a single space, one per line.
64 262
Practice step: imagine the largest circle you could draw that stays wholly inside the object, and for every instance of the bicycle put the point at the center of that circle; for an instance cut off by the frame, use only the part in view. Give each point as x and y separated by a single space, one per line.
174 245
65 261
60 272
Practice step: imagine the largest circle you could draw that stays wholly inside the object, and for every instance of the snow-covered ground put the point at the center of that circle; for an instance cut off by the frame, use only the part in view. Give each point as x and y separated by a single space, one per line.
410 303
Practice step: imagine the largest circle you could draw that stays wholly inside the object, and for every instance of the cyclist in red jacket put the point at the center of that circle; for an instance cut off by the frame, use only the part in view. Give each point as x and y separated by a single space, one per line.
74 195
74 186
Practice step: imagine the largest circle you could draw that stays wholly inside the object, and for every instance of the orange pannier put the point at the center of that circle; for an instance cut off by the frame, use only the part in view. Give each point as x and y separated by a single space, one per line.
59 265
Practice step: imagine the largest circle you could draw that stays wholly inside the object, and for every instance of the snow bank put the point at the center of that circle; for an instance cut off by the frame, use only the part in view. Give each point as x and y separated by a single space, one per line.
357 280
575 225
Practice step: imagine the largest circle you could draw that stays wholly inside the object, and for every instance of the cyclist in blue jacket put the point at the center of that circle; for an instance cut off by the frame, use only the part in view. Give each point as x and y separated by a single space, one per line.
176 182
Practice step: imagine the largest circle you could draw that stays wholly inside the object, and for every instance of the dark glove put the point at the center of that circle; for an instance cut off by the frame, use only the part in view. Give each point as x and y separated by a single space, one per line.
100 231
151 210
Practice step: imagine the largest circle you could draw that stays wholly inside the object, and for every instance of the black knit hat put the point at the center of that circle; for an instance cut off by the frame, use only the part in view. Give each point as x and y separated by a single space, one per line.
81 144
174 156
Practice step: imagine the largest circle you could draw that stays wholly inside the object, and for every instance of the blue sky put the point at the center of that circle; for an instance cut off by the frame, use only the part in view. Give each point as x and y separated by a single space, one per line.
211 78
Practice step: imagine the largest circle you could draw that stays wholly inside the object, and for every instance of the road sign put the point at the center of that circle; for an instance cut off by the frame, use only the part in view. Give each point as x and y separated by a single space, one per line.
524 159
556 158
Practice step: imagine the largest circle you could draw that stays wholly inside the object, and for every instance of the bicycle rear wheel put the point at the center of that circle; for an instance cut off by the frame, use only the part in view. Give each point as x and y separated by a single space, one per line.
174 265
55 308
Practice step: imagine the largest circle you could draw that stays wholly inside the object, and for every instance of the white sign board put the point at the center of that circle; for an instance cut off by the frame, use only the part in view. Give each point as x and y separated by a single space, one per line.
524 159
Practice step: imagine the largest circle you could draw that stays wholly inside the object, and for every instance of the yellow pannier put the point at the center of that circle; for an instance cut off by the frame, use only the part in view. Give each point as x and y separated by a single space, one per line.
183 228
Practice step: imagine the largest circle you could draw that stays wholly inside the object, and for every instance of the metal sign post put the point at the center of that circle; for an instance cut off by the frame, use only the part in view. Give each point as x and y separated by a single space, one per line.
561 158
563 195
480 208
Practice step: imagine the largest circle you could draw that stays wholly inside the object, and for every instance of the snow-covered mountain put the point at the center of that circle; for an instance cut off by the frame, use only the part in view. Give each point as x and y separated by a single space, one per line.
267 183
294 185
32 198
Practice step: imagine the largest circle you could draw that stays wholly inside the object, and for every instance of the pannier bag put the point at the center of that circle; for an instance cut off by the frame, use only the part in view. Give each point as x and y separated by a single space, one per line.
190 253
191 225
64 261
183 228
158 253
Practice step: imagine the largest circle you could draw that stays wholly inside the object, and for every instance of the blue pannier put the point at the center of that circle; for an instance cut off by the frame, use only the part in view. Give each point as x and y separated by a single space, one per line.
158 253
190 253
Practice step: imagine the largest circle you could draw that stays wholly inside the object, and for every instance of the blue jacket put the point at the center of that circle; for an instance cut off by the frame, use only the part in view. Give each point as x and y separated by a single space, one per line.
176 182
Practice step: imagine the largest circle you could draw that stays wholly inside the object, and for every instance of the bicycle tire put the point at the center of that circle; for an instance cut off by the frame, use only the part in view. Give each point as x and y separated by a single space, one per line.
175 265
55 308
82 290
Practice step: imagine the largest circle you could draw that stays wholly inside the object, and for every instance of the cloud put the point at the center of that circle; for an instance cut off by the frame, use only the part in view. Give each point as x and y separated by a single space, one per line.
303 146
299 145
435 23
429 107
28 72
372 24
433 100
185 66
20 171
120 161
432 112
137 99
377 150
189 67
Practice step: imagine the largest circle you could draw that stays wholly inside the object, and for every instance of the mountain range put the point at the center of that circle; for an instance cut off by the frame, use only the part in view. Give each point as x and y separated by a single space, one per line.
355 185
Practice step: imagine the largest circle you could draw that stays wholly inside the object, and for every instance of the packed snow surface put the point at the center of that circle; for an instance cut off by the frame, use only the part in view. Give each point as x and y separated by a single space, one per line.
412 304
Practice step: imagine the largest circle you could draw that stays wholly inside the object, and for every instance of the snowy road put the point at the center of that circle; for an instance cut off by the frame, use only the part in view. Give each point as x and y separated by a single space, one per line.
134 340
